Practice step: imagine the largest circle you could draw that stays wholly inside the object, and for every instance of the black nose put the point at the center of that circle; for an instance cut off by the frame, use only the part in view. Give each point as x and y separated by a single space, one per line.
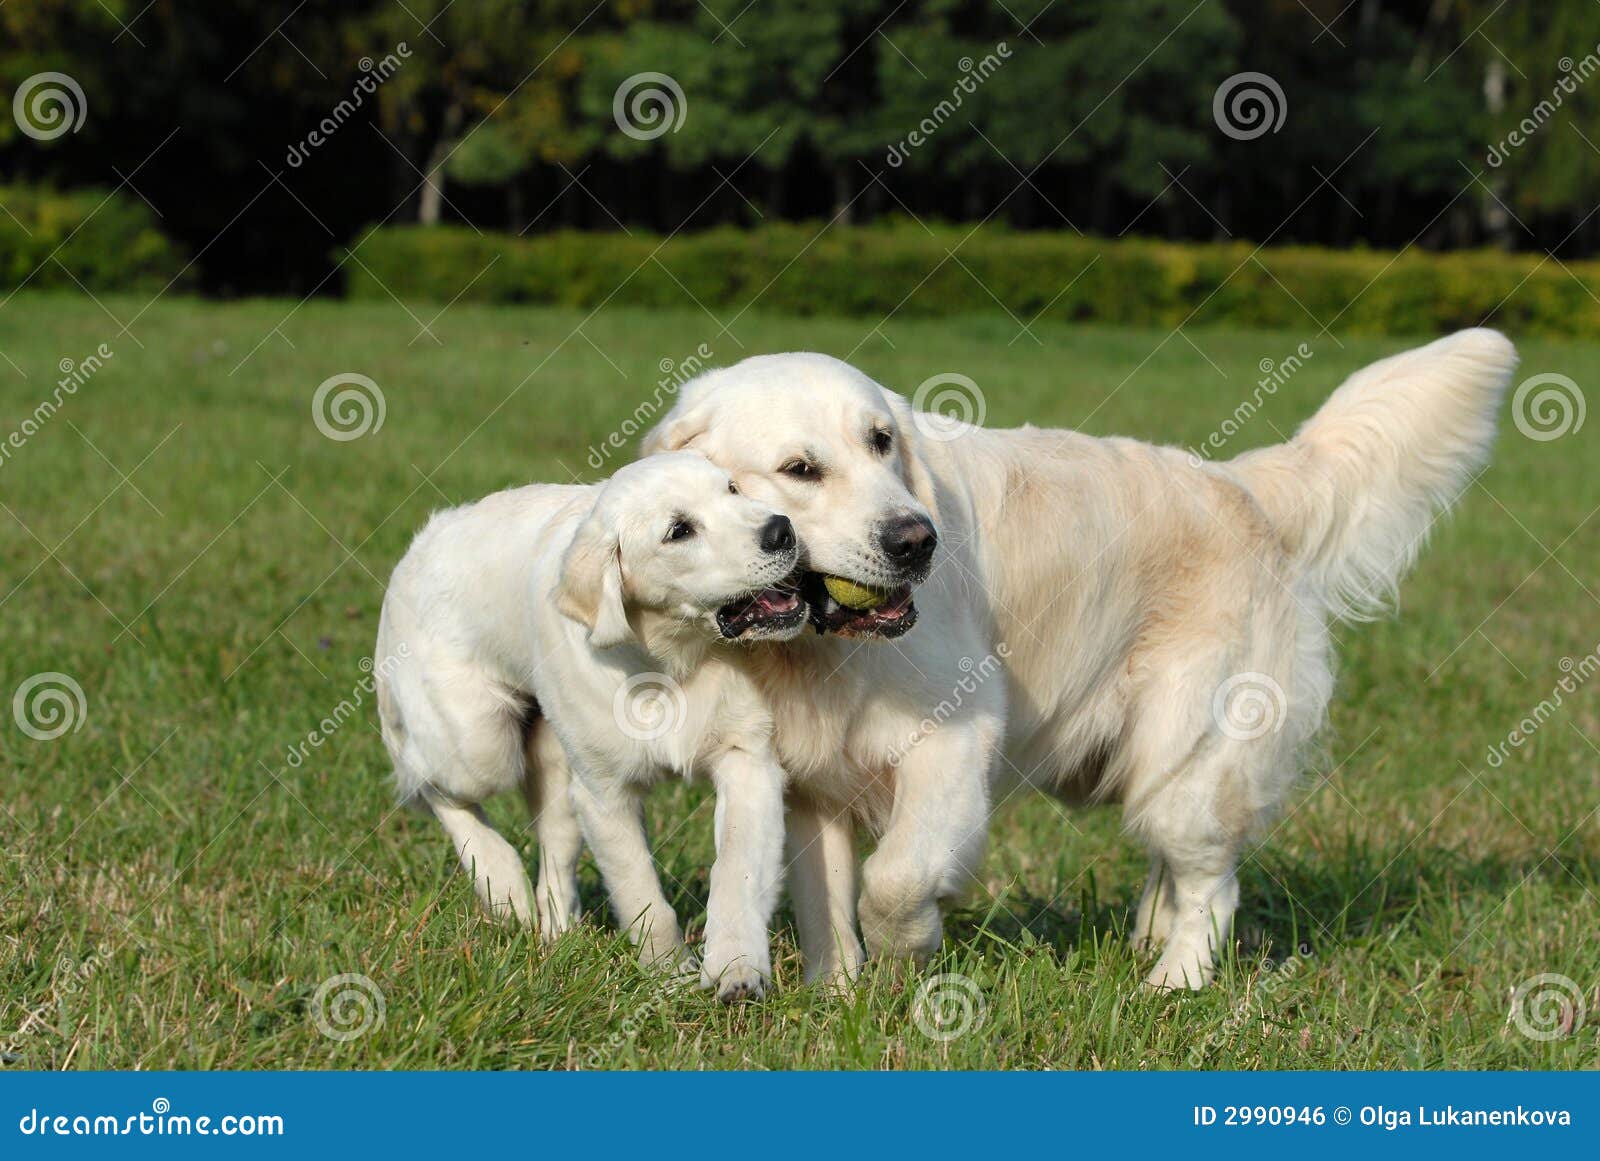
777 535
909 542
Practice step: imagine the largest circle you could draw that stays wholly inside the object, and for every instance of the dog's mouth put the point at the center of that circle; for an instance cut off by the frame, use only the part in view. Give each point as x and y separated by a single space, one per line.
764 613
871 612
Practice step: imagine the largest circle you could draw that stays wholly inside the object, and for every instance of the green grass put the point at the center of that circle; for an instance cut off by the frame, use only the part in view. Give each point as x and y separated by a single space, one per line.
174 890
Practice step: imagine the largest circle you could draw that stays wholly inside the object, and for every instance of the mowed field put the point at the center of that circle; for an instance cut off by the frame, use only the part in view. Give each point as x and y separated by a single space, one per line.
184 868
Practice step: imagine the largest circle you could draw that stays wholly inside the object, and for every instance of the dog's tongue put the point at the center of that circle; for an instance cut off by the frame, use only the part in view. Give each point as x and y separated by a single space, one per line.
775 602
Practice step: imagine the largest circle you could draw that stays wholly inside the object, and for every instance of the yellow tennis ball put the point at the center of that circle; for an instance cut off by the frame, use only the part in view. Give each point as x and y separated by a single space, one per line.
854 596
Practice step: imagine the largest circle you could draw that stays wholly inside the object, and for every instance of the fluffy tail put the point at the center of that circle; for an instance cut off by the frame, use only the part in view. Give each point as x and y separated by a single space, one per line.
1356 490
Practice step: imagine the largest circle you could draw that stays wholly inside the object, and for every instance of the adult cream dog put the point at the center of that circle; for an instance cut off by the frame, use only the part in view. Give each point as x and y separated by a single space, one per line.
1164 620
560 636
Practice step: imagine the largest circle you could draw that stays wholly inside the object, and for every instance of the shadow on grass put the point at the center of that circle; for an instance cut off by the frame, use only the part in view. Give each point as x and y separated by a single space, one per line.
1289 903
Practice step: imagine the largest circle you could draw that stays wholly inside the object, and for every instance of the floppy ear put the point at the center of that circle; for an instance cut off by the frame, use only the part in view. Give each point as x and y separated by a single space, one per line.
590 586
918 478
683 425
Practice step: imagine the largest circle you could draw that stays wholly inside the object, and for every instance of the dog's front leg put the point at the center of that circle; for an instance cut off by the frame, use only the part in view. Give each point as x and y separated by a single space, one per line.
746 876
933 845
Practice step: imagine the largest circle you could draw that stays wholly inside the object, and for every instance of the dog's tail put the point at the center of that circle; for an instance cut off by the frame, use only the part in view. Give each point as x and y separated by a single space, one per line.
1356 490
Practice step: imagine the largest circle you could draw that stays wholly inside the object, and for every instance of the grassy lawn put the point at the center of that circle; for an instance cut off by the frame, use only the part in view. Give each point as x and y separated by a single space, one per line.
176 882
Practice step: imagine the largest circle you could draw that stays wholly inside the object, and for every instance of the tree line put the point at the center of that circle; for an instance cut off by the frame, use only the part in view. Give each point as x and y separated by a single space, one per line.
267 134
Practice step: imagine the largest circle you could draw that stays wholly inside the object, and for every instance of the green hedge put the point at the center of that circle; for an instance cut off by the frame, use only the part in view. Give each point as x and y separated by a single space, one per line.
872 271
107 242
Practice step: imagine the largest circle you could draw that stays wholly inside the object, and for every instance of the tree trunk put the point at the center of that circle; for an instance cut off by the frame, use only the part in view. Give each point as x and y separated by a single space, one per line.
1492 217
432 200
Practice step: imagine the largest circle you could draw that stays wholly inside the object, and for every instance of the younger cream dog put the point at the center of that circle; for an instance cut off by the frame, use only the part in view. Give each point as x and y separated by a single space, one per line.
555 636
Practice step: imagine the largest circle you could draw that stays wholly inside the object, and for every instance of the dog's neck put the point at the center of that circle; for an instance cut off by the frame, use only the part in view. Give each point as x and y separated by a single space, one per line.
678 646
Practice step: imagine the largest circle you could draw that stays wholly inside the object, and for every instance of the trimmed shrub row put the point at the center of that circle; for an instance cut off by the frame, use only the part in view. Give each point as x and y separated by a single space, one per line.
905 269
64 239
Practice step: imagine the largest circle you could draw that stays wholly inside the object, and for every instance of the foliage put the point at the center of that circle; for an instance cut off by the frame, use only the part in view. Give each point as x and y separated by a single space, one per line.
907 270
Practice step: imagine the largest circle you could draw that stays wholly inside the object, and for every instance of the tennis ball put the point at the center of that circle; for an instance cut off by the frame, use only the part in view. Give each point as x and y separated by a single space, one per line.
854 596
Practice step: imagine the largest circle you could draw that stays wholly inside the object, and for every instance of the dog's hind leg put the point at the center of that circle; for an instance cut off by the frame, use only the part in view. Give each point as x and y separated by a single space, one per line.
494 864
547 787
1156 908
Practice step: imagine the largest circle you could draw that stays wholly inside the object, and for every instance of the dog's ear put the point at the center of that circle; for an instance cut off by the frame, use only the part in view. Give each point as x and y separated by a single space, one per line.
589 589
683 425
918 478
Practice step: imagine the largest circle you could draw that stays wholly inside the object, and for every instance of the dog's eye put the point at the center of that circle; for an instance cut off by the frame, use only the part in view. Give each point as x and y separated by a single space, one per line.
733 489
882 441
801 470
679 529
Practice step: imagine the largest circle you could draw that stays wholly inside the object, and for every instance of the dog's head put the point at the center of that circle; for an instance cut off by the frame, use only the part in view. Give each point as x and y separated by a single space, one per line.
821 441
672 536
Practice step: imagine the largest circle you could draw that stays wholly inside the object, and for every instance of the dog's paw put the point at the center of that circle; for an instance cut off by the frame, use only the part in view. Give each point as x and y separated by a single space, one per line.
1179 973
914 933
741 979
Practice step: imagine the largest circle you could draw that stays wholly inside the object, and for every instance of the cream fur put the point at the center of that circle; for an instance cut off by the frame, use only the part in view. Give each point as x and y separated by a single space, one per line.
523 639
1143 599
